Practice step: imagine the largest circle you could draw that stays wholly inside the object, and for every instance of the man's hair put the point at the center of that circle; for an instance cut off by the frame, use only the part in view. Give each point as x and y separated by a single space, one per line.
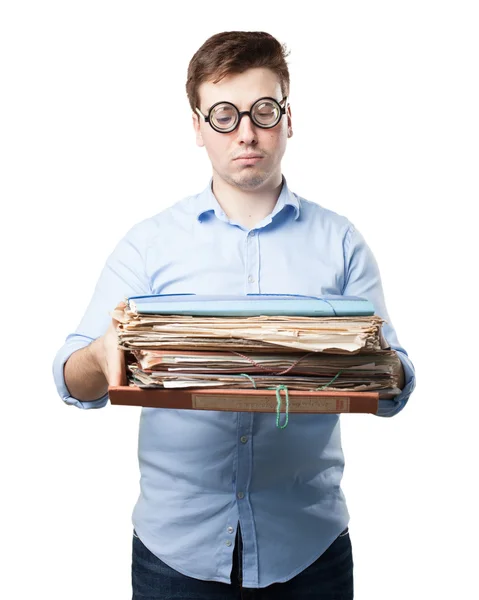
233 52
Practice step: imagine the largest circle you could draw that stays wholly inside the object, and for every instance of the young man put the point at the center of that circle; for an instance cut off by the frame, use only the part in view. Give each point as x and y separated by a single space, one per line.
228 501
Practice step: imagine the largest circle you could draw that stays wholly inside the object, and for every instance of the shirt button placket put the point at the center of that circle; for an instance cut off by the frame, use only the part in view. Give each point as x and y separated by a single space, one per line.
244 442
252 262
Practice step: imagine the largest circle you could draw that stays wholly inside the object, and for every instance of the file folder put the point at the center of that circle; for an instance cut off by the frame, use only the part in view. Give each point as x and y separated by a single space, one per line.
251 305
244 400
247 400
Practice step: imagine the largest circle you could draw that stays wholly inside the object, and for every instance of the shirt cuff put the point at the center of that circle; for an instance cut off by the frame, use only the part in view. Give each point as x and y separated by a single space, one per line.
389 408
71 346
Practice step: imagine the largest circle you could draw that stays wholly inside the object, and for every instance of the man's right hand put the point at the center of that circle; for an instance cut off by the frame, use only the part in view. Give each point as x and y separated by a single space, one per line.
91 370
110 358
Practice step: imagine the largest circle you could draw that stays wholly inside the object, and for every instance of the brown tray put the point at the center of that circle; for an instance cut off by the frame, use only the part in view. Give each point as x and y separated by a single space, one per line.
245 400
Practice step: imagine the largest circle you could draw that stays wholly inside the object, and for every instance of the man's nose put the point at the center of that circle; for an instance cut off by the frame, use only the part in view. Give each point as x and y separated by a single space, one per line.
246 130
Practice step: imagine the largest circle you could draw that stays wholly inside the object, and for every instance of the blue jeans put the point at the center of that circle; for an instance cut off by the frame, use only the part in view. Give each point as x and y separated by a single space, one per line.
328 578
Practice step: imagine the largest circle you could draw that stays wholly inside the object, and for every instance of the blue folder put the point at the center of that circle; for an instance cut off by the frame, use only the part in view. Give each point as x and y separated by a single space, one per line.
251 305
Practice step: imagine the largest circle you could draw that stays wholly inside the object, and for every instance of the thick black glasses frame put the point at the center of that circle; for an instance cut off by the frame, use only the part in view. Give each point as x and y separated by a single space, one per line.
249 112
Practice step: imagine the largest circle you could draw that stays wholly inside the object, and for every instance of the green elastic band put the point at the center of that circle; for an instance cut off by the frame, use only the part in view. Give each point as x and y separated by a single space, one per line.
278 406
328 384
251 379
278 389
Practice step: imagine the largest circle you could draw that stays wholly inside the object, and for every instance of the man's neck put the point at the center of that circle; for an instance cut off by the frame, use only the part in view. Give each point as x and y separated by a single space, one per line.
247 207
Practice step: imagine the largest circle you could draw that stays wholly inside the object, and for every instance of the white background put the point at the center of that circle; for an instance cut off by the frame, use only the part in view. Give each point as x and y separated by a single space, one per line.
96 135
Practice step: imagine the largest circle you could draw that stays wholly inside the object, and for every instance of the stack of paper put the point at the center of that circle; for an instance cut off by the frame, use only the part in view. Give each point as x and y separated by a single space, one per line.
261 351
316 334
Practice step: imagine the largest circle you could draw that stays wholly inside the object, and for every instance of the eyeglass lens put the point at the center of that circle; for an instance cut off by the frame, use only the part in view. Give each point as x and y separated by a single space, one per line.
265 113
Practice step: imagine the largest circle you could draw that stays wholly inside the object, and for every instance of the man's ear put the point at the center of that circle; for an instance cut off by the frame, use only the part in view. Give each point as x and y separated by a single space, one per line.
290 121
196 127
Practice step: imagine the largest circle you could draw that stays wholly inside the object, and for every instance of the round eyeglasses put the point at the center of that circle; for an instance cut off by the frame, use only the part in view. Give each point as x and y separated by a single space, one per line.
224 117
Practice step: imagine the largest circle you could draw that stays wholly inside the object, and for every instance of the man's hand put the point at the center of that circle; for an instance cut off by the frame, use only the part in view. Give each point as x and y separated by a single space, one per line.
91 370
399 372
109 357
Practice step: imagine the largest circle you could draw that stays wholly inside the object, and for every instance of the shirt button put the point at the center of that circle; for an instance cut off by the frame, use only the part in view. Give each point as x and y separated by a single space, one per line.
228 542
251 233
251 279
244 439
230 530
240 495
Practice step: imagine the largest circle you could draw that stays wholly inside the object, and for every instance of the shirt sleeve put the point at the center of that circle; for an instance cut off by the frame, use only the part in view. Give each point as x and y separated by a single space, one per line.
124 274
362 278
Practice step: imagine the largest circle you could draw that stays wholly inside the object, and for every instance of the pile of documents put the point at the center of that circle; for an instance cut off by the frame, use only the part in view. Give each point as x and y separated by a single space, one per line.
346 353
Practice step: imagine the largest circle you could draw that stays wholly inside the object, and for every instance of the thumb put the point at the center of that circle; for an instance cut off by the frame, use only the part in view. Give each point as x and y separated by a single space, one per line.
116 358
117 368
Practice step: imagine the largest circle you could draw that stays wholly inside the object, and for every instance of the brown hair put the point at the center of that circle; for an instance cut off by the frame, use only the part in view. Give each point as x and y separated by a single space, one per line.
233 52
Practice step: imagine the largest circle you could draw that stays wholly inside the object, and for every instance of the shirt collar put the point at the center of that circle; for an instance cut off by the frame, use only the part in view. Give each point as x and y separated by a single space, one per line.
207 201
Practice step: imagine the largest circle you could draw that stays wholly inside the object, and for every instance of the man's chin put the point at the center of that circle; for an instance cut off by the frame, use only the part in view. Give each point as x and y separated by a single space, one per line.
249 179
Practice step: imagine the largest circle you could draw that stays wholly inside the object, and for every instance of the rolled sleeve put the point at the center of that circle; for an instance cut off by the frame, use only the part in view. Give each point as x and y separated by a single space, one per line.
72 344
362 278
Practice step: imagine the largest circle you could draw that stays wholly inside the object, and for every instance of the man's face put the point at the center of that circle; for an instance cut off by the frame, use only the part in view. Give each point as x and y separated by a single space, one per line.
224 148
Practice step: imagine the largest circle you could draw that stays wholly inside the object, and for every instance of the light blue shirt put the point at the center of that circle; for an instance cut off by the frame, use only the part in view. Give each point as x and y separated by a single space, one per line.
202 471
